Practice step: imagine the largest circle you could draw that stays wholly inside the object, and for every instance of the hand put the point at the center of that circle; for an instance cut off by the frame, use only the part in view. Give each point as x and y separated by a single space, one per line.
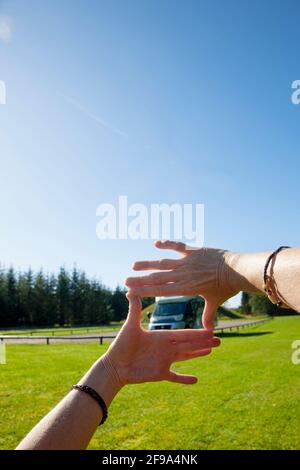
199 272
139 355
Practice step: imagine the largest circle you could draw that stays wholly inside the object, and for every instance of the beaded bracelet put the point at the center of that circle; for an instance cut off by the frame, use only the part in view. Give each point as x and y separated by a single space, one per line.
90 391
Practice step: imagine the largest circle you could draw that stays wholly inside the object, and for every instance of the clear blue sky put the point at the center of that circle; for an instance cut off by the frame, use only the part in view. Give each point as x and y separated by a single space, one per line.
193 104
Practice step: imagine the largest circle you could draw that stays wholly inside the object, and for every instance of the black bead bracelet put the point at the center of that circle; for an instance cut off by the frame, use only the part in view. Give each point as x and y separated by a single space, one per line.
95 395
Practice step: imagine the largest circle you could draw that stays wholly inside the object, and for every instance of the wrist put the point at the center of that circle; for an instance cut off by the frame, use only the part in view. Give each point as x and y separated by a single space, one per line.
104 378
244 271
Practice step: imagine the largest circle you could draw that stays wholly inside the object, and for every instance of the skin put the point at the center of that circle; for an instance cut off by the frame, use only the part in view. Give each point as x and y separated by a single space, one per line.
216 275
136 356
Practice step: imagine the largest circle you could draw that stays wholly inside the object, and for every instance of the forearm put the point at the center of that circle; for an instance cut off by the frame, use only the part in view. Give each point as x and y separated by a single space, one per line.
72 423
135 356
245 273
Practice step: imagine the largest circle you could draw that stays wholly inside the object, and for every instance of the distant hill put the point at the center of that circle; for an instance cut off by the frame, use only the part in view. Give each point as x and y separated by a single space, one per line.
145 310
225 313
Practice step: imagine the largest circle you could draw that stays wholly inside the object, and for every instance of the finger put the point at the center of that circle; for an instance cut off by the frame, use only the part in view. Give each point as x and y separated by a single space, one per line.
190 347
157 291
208 317
171 245
163 264
191 355
181 378
185 346
189 335
153 279
134 310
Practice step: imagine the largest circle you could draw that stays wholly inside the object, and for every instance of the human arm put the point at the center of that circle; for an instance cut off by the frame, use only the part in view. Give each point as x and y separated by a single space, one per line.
217 275
136 356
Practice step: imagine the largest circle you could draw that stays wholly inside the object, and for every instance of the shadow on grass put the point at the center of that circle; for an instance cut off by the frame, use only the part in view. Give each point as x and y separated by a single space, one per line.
231 334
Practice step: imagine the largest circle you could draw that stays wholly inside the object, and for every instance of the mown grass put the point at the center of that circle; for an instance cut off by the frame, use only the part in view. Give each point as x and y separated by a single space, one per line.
247 397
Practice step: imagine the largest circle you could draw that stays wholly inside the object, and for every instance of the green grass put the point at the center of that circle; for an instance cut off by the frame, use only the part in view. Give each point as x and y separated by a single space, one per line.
247 397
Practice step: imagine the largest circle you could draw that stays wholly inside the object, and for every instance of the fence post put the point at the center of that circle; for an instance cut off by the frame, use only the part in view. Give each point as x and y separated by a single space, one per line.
48 340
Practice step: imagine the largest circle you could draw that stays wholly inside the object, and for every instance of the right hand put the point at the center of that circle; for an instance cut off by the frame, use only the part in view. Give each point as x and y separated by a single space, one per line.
199 272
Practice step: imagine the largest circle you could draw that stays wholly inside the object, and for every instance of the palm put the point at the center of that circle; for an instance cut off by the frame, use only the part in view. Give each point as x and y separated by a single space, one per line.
140 355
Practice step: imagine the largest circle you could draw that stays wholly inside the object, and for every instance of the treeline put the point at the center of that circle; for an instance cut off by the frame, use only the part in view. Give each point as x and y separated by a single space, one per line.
65 299
257 304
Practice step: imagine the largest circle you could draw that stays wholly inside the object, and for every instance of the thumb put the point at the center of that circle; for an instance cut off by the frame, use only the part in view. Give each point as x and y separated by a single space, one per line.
208 317
181 378
134 310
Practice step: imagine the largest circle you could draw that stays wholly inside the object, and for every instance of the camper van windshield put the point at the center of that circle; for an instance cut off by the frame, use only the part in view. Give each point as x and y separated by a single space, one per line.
174 308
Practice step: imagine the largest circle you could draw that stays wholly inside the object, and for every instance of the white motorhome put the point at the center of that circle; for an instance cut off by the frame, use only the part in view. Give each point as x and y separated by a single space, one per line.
172 313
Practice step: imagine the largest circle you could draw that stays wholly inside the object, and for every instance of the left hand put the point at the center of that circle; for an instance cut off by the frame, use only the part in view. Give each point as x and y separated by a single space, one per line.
139 355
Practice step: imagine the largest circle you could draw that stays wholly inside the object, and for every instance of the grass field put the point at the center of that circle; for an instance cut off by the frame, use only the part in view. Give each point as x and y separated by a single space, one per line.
247 397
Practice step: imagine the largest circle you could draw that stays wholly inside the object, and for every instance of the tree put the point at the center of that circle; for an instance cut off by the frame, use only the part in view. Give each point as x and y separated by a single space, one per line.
3 311
52 302
261 305
245 303
63 298
99 308
25 297
119 304
40 301
11 298
78 286
29 299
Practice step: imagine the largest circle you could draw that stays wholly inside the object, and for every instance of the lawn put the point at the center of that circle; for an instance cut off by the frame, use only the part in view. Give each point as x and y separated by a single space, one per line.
247 397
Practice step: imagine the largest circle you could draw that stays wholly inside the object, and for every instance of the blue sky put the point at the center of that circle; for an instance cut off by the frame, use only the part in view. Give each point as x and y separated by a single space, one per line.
162 101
